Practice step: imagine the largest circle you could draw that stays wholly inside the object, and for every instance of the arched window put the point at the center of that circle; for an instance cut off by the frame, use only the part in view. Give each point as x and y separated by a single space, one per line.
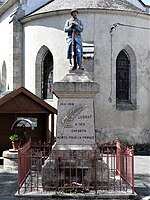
3 77
44 73
123 77
47 76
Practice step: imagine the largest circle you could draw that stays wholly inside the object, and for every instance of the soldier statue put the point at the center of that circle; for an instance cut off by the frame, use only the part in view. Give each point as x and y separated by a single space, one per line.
74 27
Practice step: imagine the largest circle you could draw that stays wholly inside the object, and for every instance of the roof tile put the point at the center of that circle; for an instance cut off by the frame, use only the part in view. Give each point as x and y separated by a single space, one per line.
56 5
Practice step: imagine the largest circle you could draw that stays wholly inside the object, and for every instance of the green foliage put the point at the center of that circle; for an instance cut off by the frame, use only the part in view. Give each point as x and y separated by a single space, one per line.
14 138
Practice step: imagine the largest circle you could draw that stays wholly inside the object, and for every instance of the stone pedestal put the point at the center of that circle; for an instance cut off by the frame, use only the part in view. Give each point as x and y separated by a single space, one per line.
75 120
10 159
73 167
75 131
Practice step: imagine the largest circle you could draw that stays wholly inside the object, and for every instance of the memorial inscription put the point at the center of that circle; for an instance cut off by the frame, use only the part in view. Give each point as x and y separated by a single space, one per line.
68 120
76 122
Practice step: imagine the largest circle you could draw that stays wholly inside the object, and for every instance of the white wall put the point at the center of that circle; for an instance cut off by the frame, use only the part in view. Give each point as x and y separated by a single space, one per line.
6 35
51 35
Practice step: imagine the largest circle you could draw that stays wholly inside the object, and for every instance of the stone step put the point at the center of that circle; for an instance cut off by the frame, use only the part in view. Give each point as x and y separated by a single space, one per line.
69 197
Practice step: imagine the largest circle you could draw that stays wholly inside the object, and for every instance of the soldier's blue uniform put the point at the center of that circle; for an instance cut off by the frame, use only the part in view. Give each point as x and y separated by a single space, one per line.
68 28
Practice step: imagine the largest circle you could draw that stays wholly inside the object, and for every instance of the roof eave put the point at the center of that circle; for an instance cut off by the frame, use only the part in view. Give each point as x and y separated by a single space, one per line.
7 5
60 12
23 90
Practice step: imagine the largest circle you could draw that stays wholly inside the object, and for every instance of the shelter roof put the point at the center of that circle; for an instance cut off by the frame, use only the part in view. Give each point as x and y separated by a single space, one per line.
22 100
59 5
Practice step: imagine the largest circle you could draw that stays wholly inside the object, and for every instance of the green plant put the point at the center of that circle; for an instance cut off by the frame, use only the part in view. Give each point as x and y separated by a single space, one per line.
14 138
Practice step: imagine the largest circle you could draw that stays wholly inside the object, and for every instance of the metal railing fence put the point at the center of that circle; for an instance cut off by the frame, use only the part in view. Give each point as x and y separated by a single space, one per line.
108 168
125 163
24 163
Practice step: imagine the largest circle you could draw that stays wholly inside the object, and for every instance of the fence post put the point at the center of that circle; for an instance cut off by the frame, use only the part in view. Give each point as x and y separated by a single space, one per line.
19 170
95 171
132 151
117 156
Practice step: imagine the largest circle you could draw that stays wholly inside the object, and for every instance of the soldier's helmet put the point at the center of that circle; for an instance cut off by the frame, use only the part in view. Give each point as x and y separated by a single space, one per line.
74 10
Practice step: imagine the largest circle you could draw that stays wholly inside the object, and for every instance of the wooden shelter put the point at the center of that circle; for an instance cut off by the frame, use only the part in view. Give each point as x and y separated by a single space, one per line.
21 103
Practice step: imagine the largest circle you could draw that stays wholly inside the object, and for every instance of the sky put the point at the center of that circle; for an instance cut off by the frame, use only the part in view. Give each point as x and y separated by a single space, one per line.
147 2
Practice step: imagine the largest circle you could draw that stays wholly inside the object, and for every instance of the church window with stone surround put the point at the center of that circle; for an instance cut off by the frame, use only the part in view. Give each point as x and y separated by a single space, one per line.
47 76
122 77
123 87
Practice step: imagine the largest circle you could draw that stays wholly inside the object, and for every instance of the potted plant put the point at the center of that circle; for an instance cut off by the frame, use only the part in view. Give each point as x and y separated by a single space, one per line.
15 139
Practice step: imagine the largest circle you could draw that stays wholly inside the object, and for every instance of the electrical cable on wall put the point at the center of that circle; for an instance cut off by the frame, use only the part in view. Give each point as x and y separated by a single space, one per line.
131 26
110 96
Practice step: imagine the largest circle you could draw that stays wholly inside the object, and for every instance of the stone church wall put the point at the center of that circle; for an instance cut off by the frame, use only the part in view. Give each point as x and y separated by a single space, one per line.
24 44
131 125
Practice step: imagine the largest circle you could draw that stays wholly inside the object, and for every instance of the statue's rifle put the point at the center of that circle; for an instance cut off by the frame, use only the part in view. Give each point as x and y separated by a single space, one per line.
73 48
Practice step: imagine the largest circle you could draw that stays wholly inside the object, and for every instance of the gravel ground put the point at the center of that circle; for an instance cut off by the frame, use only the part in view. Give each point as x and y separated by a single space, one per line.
142 176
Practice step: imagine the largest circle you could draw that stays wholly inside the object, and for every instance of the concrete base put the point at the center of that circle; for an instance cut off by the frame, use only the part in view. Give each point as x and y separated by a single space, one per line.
81 169
10 159
103 196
